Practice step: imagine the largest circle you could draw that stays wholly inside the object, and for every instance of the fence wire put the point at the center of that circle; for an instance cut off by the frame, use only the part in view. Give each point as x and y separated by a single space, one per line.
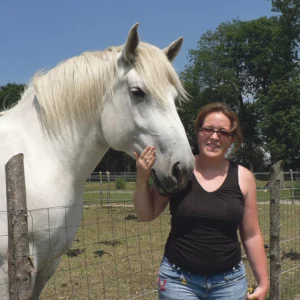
115 257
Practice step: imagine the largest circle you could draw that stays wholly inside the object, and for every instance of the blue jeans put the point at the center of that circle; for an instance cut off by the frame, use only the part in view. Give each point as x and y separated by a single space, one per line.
176 284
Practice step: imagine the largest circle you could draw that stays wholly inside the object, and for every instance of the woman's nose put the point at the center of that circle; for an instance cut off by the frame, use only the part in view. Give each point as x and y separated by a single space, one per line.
214 135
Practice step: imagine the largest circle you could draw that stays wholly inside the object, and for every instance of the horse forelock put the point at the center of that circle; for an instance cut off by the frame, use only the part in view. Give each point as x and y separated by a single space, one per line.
157 72
76 87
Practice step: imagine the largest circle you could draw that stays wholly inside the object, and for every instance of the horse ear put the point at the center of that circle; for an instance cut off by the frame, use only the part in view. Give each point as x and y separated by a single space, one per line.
131 43
172 50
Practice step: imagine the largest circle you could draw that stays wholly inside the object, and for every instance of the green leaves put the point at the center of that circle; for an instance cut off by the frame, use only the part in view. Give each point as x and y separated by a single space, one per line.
251 66
10 94
230 65
281 122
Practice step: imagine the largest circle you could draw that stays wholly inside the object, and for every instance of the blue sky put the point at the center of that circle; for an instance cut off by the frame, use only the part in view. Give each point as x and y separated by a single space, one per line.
38 35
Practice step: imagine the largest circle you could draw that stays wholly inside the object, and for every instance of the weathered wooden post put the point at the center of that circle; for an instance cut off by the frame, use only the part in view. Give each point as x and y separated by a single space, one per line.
275 265
19 262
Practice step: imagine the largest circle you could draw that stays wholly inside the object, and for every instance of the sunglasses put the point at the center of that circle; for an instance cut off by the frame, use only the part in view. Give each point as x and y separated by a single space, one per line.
220 133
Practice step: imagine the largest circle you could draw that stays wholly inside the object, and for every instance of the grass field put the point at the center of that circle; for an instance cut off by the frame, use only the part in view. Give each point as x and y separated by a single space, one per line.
120 257
115 257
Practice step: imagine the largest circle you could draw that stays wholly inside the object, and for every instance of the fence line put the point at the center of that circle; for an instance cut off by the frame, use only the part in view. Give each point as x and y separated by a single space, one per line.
295 267
95 176
114 218
285 241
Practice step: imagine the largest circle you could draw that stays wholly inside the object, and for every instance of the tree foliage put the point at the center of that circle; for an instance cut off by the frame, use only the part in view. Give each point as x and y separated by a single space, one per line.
290 18
10 94
251 66
116 161
280 124
233 64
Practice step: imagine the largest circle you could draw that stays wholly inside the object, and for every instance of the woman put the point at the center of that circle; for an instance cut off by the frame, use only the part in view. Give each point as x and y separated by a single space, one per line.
202 255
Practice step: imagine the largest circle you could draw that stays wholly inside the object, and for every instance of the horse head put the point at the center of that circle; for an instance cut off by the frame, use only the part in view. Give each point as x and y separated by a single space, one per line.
142 110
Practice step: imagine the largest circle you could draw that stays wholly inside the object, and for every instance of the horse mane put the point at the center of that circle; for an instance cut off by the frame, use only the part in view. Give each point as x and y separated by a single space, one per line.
76 87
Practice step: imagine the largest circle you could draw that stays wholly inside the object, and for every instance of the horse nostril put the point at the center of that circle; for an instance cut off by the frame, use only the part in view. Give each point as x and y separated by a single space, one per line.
177 172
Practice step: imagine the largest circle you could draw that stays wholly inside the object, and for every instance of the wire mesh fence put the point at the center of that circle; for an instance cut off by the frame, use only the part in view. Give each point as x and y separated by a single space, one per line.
289 227
116 257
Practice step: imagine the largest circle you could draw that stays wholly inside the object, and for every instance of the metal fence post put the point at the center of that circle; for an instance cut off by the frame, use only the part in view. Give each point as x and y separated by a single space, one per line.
292 183
101 186
108 187
275 265
19 262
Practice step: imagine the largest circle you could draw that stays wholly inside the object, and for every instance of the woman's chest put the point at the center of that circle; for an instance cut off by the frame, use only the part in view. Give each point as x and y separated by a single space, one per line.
211 182
226 203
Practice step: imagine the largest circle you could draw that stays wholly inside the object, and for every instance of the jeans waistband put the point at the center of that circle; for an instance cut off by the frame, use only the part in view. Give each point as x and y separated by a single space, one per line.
174 266
237 266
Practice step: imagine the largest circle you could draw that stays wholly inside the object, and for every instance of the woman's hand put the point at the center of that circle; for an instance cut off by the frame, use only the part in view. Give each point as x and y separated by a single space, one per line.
259 293
144 162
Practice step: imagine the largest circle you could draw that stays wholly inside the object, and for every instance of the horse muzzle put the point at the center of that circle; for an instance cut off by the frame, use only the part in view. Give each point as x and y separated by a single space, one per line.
174 182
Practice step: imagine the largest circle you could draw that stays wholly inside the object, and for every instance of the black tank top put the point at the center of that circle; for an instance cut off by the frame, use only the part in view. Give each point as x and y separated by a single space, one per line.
203 237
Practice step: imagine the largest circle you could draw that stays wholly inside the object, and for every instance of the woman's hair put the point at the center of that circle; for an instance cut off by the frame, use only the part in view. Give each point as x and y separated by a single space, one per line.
229 113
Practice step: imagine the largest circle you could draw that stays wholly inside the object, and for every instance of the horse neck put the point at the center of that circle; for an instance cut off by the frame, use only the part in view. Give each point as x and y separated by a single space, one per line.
76 153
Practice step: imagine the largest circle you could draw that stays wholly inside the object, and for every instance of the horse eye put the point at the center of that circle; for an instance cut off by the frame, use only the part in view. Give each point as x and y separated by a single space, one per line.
138 92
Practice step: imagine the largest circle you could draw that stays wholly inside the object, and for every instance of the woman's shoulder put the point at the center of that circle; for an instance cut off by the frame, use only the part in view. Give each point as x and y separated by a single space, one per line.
244 172
246 179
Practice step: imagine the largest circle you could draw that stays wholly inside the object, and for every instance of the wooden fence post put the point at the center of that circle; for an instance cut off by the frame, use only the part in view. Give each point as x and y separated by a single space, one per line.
275 265
19 262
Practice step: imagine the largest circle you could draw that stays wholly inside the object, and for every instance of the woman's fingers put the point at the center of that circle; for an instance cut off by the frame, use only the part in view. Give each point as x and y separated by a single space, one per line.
145 152
150 156
147 157
259 294
145 161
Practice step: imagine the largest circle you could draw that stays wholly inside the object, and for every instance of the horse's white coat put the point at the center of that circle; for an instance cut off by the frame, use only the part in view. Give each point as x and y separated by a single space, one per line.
65 122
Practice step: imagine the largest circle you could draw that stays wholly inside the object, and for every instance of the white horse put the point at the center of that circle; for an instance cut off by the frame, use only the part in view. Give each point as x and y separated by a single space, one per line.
124 98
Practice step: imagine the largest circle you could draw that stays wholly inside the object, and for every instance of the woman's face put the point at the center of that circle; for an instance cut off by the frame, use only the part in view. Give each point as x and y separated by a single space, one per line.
215 144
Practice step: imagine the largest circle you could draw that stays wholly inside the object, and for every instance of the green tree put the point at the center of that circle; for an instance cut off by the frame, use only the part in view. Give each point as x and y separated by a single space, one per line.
10 94
289 17
116 161
281 122
280 106
287 42
233 64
